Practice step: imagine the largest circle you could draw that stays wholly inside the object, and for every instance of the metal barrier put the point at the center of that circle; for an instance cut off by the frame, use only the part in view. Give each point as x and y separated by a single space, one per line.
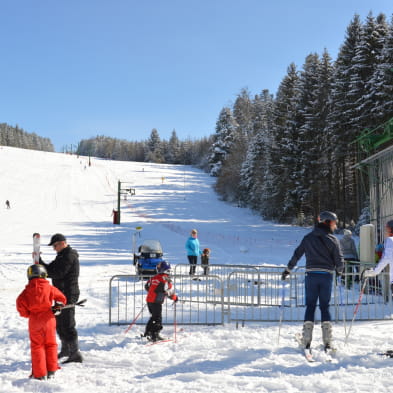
248 293
201 301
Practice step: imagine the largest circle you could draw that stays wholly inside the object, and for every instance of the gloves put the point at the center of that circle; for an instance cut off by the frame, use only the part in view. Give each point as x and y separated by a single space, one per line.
369 273
175 298
285 274
57 307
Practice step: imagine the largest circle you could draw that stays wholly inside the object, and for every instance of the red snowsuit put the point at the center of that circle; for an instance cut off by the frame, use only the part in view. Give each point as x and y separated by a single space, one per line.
35 303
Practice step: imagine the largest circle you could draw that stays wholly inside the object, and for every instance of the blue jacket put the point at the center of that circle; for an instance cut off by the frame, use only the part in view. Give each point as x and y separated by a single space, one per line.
192 247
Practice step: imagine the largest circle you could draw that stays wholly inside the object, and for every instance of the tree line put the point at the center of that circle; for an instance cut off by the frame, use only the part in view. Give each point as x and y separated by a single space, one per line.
291 155
17 137
154 149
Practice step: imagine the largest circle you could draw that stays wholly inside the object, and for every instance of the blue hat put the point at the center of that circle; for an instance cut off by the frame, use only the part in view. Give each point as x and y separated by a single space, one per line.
163 267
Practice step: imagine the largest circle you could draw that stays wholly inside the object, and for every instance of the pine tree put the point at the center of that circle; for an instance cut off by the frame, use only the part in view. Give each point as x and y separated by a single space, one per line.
223 140
381 84
154 147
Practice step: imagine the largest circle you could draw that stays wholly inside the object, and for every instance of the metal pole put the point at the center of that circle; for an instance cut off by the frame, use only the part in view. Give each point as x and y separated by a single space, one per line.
118 201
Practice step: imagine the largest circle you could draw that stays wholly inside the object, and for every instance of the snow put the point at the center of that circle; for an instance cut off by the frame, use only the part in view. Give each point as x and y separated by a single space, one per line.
52 193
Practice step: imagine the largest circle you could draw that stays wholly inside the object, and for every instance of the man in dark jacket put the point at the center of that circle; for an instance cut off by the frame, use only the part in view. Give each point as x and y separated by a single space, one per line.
323 258
64 272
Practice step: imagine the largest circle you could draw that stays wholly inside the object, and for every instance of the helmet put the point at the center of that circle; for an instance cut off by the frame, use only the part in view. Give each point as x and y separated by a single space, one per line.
327 216
163 267
36 271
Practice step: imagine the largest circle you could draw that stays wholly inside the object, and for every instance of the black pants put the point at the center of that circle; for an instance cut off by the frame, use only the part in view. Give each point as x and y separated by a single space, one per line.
65 325
193 260
318 287
154 325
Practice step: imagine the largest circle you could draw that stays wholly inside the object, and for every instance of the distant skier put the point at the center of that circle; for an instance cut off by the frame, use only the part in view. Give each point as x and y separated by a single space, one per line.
7 204
348 246
387 256
35 303
323 257
64 271
158 288
205 260
193 250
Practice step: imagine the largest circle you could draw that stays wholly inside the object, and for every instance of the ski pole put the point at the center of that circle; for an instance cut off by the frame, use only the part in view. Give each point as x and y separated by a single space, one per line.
175 321
135 319
356 308
343 306
281 311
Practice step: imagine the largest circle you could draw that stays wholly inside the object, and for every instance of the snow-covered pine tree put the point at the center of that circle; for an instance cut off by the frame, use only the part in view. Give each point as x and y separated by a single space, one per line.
173 156
154 148
339 125
255 173
223 140
284 150
381 84
368 57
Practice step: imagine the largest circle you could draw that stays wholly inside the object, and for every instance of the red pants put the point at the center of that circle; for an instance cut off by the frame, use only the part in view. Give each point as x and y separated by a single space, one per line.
42 329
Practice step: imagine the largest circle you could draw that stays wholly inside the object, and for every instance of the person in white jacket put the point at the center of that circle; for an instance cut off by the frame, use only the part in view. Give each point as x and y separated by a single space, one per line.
387 256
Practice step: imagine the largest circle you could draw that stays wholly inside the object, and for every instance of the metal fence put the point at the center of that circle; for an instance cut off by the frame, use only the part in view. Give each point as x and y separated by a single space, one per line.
246 294
201 301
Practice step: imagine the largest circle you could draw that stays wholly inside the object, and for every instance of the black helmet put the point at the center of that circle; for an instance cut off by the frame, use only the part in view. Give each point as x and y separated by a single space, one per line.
36 271
327 216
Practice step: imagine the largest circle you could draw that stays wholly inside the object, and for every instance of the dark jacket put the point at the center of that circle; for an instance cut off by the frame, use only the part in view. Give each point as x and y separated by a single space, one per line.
64 272
322 251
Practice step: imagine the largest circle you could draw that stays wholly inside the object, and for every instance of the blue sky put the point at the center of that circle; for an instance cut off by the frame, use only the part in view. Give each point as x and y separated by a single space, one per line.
72 69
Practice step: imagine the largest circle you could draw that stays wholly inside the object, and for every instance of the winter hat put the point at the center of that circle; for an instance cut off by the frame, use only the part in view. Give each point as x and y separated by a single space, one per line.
347 232
58 237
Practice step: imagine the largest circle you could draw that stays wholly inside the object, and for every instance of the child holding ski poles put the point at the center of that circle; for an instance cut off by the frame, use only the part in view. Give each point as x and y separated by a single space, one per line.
158 288
35 303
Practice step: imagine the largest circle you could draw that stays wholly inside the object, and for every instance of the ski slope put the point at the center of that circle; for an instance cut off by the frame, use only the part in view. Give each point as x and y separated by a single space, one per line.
52 193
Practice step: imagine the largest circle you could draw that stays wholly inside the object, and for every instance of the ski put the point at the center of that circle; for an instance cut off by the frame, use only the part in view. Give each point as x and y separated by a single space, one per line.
36 247
306 351
329 355
388 354
166 340
81 303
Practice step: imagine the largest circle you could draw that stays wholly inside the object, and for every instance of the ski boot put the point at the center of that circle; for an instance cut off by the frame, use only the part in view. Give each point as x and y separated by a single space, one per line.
327 334
308 327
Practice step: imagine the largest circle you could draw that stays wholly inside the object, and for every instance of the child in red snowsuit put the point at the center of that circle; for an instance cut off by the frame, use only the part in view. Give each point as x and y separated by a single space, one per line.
35 303
158 287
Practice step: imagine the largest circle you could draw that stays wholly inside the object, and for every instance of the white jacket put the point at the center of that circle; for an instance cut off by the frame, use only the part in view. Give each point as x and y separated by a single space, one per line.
387 258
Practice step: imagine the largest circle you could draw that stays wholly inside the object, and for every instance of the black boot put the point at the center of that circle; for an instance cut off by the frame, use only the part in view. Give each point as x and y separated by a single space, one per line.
51 374
65 351
75 355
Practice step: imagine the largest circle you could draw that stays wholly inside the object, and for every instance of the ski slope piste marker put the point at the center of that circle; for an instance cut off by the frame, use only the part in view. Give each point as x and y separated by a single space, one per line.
36 247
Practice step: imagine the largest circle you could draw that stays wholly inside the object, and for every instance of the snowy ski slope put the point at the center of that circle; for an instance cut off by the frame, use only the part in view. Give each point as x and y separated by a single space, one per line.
52 192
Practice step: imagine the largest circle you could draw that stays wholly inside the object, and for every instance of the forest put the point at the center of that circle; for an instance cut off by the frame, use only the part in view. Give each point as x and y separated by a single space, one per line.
292 154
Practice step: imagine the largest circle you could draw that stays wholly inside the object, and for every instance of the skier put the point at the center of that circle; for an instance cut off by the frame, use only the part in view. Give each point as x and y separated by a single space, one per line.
193 250
323 257
158 287
35 303
348 246
7 204
387 256
64 271
205 260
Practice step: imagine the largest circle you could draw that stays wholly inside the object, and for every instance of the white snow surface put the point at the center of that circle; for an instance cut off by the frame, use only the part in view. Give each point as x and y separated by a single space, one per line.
52 192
